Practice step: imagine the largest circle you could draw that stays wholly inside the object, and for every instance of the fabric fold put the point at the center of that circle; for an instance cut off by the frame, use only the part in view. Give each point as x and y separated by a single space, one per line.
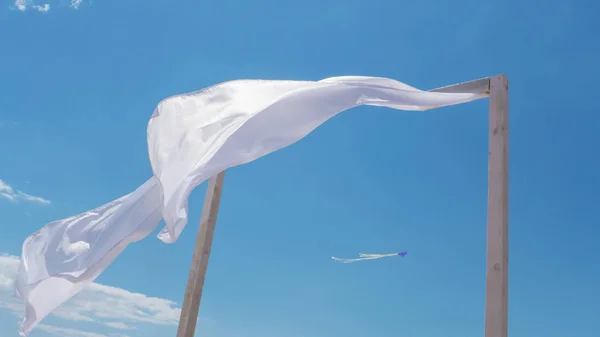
60 259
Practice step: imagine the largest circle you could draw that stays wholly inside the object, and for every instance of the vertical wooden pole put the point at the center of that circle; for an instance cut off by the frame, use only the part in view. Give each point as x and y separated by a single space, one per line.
193 291
496 292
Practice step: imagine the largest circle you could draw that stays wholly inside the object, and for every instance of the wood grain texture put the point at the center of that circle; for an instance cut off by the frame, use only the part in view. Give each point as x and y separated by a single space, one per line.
496 290
193 291
480 86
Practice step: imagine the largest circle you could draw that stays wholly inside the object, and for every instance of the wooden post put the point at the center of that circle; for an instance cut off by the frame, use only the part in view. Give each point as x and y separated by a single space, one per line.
193 291
496 290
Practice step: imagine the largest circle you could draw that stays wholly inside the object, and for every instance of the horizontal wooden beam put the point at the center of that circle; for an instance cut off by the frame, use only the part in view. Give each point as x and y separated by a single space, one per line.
480 86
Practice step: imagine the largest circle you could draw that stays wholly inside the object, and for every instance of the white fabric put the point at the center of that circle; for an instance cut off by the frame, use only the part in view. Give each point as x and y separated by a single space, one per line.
53 269
192 137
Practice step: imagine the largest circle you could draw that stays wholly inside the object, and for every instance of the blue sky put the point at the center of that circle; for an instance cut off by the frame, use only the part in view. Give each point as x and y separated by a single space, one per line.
79 81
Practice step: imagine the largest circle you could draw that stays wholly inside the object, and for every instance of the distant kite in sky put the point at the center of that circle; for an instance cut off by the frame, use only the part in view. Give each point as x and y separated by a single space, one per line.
367 257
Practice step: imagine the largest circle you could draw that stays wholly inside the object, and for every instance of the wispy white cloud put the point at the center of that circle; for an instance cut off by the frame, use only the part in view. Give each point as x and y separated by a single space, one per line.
20 5
75 3
67 332
23 5
111 306
8 192
42 8
119 325
8 270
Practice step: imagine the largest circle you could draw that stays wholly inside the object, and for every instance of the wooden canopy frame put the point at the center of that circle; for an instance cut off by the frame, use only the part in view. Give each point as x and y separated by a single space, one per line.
496 287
